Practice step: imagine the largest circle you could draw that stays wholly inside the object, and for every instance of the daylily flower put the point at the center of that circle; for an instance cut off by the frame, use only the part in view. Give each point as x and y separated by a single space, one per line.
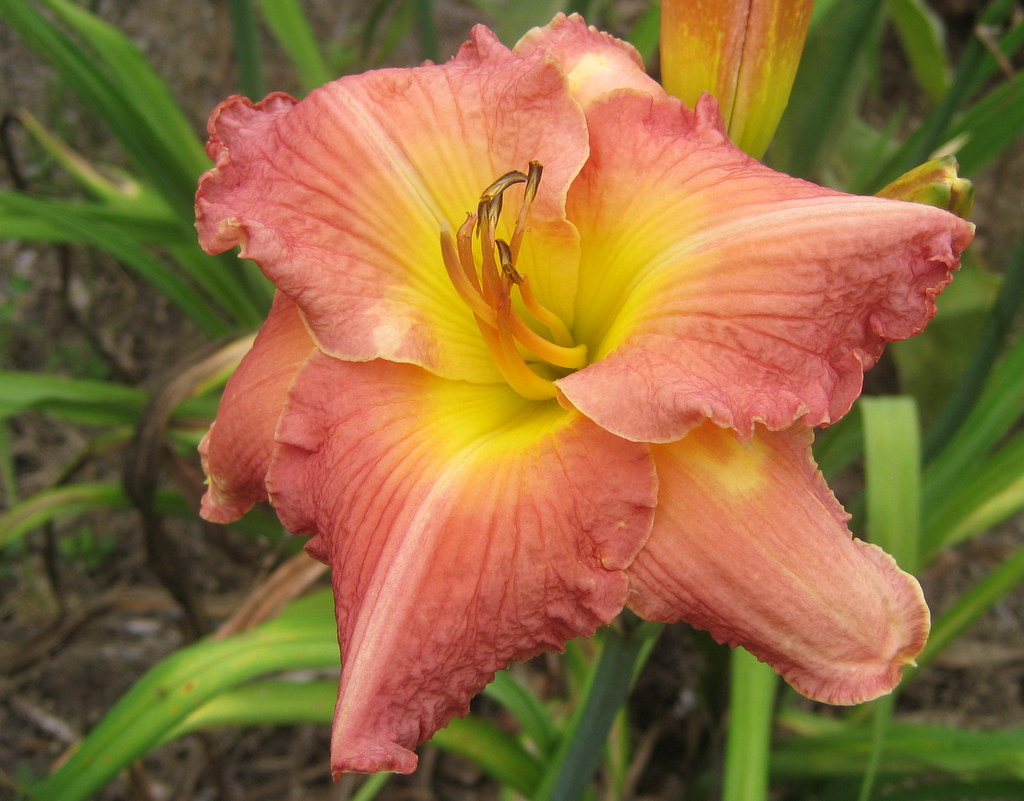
546 345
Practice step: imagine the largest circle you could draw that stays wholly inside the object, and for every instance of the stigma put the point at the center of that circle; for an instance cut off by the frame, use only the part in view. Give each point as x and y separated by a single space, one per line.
529 361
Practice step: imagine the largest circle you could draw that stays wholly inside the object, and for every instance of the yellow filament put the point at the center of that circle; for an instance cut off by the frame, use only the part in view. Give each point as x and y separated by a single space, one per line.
512 366
488 293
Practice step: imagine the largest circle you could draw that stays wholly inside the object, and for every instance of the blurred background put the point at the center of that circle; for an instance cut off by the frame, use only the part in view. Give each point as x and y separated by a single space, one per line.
113 329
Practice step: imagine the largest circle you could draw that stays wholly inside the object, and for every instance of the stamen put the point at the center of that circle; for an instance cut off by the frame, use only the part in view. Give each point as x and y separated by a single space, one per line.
465 246
562 354
487 290
469 293
532 182
512 366
568 357
548 318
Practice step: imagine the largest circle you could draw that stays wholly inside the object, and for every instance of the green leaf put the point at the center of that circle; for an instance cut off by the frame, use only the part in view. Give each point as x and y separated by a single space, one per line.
911 750
288 23
990 126
975 65
996 412
827 85
975 378
84 401
246 39
924 41
303 637
973 604
59 502
569 770
494 750
33 222
526 708
109 75
752 689
893 476
132 252
988 495
512 20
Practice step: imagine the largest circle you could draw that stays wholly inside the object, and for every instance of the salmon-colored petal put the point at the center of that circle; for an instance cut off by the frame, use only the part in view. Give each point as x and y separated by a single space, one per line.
341 197
713 287
750 544
594 62
466 527
236 450
744 52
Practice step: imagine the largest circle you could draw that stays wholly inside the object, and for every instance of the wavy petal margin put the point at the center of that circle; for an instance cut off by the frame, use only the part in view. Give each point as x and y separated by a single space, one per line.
713 287
750 544
236 450
594 62
341 198
465 527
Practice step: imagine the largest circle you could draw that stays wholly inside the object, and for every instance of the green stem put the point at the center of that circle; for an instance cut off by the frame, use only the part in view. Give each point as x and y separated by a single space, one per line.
748 744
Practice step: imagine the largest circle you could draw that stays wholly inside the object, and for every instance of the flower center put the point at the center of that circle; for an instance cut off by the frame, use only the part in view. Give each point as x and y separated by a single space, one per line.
529 361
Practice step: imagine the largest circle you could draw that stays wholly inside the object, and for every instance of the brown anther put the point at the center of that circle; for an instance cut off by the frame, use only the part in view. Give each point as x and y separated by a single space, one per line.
491 198
505 260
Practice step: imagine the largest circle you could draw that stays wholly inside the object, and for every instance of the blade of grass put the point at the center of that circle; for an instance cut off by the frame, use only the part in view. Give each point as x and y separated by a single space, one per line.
526 708
912 750
975 62
144 89
748 742
990 494
166 151
133 253
893 476
923 38
304 636
972 605
892 467
825 83
989 126
246 38
59 502
998 409
29 225
990 344
289 25
569 771
84 401
287 702
423 11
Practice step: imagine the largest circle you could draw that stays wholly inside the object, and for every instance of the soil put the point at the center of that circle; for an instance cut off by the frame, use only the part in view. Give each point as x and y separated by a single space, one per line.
82 617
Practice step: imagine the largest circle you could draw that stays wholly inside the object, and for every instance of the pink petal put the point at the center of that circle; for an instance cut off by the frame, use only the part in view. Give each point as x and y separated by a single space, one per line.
341 197
236 450
466 527
750 544
713 287
594 62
